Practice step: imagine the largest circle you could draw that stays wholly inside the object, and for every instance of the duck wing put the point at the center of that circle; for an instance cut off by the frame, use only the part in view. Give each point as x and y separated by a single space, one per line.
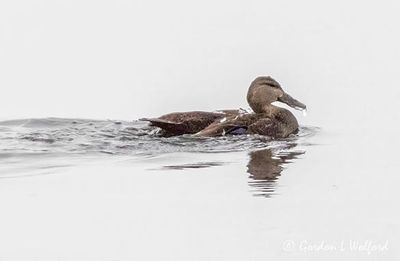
222 129
234 125
176 128
250 123
184 122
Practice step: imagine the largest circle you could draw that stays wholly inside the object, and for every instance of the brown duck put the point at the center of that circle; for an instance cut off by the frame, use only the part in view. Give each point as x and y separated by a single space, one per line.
267 119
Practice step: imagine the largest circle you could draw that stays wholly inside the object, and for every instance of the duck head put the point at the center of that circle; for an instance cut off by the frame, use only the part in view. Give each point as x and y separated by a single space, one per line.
264 90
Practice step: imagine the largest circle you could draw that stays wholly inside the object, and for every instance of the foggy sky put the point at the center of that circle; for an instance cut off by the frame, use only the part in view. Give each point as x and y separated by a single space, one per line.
128 59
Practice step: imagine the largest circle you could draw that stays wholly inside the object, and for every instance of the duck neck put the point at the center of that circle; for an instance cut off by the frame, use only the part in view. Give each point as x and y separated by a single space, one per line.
270 110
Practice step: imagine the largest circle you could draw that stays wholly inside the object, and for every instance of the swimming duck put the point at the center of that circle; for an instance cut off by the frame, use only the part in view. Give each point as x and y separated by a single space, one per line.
267 119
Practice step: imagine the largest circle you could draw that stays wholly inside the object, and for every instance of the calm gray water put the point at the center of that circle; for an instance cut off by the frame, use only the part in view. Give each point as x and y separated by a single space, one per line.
70 186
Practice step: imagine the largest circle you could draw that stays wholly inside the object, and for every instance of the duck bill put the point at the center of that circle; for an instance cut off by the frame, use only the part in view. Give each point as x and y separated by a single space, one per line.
289 100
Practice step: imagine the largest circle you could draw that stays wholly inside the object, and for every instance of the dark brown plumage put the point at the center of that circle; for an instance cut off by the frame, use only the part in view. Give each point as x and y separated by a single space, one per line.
280 125
179 123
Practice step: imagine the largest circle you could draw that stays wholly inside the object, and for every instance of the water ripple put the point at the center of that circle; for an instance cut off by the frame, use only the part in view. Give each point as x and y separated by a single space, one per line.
41 146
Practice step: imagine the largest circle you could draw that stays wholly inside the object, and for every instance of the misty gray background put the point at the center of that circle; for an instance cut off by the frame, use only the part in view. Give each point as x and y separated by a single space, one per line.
128 59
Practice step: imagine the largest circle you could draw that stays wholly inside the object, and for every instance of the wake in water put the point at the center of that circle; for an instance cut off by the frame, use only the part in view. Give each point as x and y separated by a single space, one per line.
77 136
38 145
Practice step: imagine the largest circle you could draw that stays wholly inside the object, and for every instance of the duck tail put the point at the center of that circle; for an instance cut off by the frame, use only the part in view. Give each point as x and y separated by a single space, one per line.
172 128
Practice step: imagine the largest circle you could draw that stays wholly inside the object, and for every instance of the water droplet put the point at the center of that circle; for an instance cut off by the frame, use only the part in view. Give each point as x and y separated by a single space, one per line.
304 112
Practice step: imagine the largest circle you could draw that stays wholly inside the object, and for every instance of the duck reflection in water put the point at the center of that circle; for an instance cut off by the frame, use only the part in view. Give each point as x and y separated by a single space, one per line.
265 166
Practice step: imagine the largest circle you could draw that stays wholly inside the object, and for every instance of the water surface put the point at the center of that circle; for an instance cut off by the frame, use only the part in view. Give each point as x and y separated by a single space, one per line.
117 185
43 146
